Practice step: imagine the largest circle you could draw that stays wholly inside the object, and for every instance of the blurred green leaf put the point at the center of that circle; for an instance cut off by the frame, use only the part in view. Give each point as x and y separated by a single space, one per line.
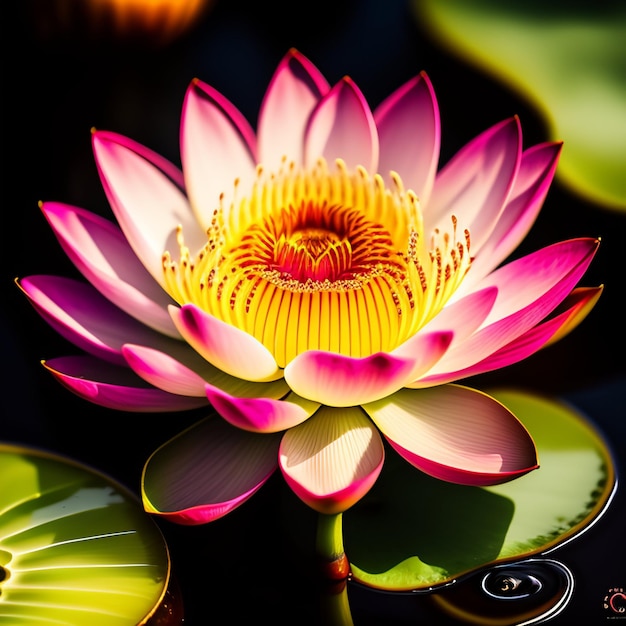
76 548
568 59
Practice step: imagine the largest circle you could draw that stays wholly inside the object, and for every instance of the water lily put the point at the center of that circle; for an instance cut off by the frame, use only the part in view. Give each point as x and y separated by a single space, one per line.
318 282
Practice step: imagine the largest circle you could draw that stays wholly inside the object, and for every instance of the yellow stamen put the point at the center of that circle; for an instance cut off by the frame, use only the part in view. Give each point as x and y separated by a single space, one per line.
321 259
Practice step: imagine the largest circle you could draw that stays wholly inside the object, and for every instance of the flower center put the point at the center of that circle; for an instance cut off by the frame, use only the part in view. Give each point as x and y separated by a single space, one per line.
321 260
313 254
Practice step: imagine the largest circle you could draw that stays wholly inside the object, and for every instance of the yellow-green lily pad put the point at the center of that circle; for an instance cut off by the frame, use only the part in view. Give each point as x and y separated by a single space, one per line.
414 532
568 60
76 547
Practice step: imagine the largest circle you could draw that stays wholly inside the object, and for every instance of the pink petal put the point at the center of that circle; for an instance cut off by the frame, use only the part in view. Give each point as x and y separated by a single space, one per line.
332 460
575 308
115 387
148 204
101 252
409 132
86 318
230 349
207 471
456 434
295 88
476 183
218 147
529 289
533 180
341 381
185 372
342 127
464 316
261 415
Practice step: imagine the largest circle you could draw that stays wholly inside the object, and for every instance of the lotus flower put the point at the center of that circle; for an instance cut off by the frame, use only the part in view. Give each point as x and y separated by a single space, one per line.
320 284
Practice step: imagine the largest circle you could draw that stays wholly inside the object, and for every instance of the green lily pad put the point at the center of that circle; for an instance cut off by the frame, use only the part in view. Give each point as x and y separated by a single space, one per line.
76 548
568 60
413 532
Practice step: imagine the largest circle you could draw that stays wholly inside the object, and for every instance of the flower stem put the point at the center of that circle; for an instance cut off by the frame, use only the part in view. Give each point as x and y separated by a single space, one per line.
335 569
329 544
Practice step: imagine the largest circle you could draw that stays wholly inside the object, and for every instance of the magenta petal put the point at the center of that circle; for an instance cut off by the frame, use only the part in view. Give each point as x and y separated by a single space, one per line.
295 88
456 434
338 380
82 315
148 202
164 371
475 184
261 415
207 471
100 251
575 308
410 136
115 387
217 146
532 182
229 348
342 127
529 289
332 460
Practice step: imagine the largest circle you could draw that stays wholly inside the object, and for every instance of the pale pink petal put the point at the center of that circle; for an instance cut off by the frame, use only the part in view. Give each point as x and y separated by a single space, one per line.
574 309
475 184
456 434
529 289
531 186
295 88
207 471
148 204
230 349
332 460
115 387
342 127
338 380
218 147
410 137
82 315
261 415
101 252
464 316
182 370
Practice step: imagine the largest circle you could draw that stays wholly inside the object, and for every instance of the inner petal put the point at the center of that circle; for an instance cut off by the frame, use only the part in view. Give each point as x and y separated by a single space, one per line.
321 260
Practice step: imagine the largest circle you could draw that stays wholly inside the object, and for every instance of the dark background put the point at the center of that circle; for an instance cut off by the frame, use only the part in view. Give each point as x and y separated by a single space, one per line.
61 78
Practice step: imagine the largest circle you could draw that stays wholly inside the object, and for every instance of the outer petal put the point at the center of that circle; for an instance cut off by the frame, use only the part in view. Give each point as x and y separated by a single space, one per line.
529 289
533 180
101 252
342 127
576 307
228 348
185 372
261 415
217 147
295 88
410 137
341 381
147 202
207 471
115 387
332 460
476 183
456 434
86 318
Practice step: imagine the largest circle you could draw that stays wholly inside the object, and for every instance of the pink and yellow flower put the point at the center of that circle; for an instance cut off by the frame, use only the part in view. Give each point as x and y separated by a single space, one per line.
319 283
